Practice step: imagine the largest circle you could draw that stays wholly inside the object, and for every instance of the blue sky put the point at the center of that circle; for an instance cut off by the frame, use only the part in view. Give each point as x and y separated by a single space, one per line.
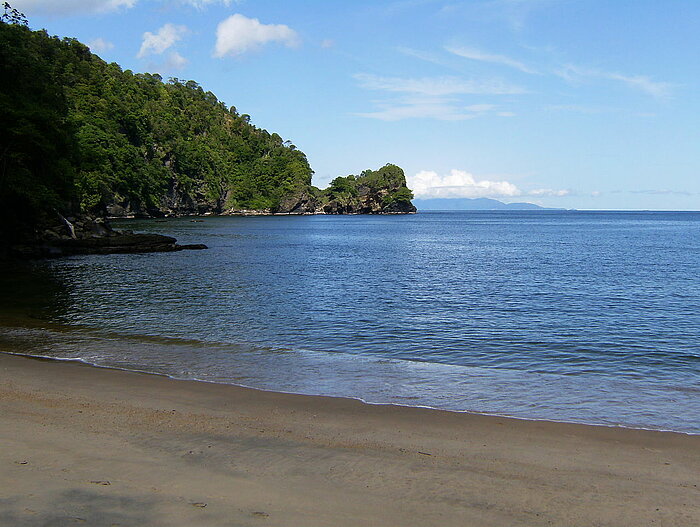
588 104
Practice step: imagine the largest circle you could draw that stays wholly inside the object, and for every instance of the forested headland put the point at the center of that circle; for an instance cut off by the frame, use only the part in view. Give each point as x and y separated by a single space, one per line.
83 136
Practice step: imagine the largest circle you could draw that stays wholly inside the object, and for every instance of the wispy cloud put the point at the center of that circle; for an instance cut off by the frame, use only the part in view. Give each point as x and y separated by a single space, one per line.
514 13
426 56
437 86
99 45
431 97
398 6
482 56
663 192
549 192
200 4
175 62
576 74
70 7
417 107
409 108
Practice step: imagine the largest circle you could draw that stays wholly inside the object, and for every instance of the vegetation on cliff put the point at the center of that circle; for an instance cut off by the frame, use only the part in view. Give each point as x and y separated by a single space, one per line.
81 135
372 192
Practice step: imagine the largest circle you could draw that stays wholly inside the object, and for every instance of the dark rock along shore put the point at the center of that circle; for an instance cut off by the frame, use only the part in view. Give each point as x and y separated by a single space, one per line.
303 201
88 235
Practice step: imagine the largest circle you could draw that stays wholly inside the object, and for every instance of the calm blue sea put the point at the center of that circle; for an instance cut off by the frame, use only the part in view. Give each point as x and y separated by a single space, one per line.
589 317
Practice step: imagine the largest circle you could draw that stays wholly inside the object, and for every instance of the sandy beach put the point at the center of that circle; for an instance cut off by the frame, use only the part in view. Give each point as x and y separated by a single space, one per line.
100 447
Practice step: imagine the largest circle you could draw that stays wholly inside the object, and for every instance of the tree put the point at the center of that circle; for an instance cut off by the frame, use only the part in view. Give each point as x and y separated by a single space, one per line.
12 16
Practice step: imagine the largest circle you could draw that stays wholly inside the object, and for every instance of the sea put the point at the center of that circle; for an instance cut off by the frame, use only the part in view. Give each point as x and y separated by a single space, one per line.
571 316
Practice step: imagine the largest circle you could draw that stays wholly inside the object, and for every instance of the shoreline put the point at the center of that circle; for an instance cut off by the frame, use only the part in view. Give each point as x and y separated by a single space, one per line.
106 446
83 362
247 213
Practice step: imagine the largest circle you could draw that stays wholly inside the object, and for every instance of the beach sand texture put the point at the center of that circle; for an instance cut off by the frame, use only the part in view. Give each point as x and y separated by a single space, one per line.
100 447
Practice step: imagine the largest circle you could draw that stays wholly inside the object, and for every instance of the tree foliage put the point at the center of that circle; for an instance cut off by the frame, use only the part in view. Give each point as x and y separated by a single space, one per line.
389 180
80 133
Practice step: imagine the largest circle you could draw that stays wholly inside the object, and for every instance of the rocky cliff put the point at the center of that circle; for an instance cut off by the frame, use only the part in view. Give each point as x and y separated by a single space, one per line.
82 137
380 191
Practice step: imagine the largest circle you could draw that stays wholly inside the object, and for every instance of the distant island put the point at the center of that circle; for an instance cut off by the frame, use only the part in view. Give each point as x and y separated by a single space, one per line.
84 140
473 204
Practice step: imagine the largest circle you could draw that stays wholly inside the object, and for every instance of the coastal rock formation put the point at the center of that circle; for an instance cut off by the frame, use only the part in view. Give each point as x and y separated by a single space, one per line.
175 201
304 200
88 235
380 191
83 137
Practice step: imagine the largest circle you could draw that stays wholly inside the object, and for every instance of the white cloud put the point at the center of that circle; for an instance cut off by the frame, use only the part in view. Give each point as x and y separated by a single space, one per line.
481 56
514 13
175 62
200 4
548 192
462 184
438 108
437 86
657 89
157 43
99 45
480 108
170 64
70 7
238 34
423 55
431 97
458 184
327 43
653 88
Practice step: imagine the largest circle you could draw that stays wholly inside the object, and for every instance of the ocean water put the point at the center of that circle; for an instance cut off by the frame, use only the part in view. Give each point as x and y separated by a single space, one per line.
590 317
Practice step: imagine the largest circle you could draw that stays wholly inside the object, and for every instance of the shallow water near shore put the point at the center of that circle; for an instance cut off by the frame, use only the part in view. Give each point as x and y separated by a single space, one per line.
586 317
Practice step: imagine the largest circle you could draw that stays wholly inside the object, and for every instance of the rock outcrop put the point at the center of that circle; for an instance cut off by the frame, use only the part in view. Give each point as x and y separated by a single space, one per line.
61 236
382 191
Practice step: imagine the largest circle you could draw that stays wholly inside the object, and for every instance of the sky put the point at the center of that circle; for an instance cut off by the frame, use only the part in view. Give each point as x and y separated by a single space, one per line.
587 104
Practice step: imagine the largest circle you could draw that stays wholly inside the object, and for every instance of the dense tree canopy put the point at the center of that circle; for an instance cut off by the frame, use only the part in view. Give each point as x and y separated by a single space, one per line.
389 181
79 133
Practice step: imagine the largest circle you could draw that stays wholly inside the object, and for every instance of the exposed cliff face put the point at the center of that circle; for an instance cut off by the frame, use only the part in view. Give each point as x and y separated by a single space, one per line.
368 201
382 191
400 207
304 200
83 138
373 192
175 201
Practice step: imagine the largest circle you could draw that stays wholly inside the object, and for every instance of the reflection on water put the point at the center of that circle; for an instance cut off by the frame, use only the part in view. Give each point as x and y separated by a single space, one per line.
590 317
32 290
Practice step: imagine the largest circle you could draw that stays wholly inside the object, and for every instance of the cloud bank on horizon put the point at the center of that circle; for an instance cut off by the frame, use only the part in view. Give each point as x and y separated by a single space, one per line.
543 90
462 184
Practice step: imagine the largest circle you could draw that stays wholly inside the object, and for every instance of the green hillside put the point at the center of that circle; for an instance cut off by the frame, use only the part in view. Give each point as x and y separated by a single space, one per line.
81 135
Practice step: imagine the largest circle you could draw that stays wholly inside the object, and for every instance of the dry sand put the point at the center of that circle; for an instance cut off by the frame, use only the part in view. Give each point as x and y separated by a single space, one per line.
99 447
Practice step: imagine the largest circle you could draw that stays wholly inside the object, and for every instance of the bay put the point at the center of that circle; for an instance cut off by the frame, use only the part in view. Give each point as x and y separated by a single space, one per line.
587 317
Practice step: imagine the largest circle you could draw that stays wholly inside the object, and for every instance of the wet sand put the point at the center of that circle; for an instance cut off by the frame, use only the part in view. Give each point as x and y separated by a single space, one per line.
99 447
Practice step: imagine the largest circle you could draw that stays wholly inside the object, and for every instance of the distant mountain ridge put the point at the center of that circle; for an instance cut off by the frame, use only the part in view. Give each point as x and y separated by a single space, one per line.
472 204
